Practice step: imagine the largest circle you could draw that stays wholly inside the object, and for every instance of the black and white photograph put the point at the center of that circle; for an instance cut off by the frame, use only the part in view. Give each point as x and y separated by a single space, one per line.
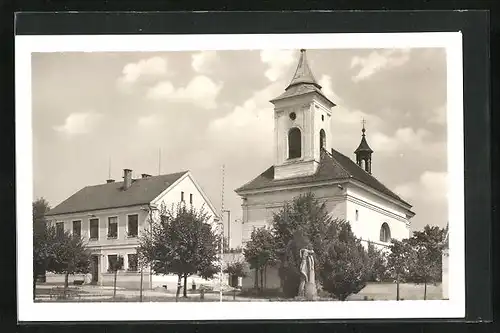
294 176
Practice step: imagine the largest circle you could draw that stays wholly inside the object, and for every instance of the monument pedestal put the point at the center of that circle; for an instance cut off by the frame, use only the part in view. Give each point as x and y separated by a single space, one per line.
310 291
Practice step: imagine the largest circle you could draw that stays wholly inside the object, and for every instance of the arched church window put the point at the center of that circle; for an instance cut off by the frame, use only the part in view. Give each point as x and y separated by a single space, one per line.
322 139
385 233
294 143
363 162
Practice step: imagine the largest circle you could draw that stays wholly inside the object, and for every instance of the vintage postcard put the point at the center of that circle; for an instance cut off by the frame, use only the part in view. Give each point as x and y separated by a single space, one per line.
298 176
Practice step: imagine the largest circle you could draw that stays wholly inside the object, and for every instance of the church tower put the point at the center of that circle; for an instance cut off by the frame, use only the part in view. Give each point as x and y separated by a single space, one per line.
364 153
301 124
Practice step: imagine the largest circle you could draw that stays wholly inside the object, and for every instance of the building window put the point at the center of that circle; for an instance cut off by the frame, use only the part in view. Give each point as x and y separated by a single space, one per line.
191 198
182 196
113 227
385 233
133 225
357 215
293 116
94 229
59 229
77 229
132 262
322 117
322 139
112 260
294 143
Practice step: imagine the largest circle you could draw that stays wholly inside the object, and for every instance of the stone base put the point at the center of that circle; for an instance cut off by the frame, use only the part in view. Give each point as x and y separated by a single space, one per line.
311 293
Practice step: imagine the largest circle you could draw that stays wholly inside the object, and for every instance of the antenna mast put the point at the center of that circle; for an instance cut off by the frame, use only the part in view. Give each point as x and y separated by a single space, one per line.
159 161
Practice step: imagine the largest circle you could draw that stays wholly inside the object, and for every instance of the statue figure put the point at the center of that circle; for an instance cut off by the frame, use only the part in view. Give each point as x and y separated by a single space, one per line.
307 287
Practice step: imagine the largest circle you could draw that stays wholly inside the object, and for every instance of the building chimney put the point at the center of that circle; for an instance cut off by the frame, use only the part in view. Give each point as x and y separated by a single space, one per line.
110 181
145 175
127 178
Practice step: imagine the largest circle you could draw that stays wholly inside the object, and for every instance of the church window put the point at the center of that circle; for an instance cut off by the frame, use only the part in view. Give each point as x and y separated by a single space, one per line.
322 139
357 214
293 116
362 164
322 117
294 143
385 233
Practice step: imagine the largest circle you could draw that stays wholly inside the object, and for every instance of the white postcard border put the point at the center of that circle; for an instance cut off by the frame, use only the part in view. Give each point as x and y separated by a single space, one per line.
30 311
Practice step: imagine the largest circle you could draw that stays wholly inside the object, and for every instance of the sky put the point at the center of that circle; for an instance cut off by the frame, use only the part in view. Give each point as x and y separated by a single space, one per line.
94 112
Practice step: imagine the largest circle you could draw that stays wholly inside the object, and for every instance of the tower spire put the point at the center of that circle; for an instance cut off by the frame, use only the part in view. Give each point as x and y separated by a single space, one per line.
303 73
364 152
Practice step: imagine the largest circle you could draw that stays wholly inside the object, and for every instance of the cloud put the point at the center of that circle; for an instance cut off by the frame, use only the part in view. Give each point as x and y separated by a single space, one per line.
377 61
438 115
202 61
146 67
326 86
250 124
278 62
432 186
79 123
200 91
147 122
404 138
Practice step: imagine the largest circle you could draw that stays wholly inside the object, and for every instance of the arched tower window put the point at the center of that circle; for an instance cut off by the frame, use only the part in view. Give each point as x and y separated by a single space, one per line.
322 139
294 143
385 233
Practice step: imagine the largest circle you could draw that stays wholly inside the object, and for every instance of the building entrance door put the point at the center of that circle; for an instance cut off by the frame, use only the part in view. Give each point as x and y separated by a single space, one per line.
95 268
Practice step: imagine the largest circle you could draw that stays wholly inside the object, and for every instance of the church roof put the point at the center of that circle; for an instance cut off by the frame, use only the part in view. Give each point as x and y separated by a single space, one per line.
303 81
111 195
332 166
303 73
363 145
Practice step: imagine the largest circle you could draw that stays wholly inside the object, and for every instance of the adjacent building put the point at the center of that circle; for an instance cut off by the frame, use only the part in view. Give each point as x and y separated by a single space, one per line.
110 217
306 161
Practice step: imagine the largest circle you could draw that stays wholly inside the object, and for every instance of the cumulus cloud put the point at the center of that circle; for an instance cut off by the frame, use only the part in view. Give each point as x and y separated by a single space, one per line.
200 91
404 138
326 86
146 67
147 122
277 61
438 115
203 61
377 61
432 186
79 123
250 123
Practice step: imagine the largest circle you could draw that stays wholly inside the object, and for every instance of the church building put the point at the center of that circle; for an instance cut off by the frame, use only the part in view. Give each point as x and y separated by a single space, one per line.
305 161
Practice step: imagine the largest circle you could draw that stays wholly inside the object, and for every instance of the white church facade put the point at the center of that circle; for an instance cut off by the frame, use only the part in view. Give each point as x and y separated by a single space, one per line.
306 161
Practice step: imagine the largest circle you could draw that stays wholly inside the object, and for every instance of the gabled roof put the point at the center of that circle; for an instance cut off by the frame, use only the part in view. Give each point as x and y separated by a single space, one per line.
333 166
111 195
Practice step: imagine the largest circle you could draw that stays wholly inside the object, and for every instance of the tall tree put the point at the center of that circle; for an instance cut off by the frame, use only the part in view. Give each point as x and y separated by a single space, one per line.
399 262
426 257
42 243
260 253
344 265
181 242
70 255
302 223
114 267
377 264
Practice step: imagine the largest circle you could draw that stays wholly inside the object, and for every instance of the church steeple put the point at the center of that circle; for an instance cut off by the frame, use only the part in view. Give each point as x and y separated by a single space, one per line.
364 152
303 73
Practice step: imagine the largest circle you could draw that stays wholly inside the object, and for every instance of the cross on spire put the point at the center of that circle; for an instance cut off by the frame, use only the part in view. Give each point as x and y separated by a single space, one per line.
363 122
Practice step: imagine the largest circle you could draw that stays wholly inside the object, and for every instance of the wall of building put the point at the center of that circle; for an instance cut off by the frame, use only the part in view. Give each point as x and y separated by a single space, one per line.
188 186
103 242
373 211
258 209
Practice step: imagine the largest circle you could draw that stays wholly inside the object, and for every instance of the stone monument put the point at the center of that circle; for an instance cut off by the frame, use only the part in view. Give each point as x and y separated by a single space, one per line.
307 287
